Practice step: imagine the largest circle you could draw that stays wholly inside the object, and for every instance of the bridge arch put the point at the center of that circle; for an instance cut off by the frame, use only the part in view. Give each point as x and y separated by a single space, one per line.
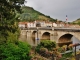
45 36
65 39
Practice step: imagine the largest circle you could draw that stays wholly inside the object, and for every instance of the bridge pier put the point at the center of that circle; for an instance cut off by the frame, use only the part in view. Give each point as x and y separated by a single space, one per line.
29 39
37 38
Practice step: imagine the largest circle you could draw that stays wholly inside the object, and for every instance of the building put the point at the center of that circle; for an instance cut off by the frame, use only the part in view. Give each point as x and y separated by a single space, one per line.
22 24
39 24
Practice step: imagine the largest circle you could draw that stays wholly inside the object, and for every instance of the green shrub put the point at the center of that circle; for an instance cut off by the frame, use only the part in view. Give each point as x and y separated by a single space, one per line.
11 51
46 44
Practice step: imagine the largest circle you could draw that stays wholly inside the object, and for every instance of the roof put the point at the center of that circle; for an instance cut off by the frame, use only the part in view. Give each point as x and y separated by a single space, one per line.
23 22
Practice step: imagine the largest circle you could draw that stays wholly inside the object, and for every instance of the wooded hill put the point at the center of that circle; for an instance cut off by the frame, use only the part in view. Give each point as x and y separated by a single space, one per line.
76 21
30 14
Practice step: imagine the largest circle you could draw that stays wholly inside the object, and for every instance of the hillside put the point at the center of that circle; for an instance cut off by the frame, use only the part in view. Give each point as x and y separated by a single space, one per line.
76 21
29 14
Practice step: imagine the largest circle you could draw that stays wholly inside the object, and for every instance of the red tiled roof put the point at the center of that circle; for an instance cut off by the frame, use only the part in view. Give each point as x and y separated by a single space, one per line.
23 22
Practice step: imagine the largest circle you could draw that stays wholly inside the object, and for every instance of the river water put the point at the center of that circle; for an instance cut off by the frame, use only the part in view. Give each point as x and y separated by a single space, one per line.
75 40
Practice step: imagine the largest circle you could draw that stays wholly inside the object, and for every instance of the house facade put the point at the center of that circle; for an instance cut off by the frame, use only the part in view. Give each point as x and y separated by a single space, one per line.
39 24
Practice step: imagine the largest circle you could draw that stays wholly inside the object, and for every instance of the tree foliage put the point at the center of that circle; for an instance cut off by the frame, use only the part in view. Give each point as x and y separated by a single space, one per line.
7 10
10 47
10 51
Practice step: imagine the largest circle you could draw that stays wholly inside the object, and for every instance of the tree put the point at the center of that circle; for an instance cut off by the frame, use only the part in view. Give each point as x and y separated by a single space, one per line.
10 47
10 51
7 10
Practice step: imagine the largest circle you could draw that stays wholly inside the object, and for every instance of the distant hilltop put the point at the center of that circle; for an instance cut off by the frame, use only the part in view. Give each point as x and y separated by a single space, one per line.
29 14
77 22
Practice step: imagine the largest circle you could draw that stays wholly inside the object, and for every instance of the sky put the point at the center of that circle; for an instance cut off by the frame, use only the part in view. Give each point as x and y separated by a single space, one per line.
57 9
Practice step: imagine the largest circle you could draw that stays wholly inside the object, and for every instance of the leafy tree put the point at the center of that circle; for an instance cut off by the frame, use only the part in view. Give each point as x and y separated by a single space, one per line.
10 51
7 10
8 17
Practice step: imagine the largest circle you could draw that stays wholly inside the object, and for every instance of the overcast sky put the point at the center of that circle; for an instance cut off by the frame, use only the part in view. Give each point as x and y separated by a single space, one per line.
57 9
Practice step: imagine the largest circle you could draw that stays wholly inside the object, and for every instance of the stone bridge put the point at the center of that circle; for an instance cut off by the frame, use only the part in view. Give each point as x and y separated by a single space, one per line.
61 35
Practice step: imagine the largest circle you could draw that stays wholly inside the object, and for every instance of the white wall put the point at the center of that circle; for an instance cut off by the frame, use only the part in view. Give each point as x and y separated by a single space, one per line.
31 24
54 24
21 25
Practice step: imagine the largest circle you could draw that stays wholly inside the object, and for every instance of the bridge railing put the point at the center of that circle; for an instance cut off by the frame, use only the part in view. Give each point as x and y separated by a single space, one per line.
53 28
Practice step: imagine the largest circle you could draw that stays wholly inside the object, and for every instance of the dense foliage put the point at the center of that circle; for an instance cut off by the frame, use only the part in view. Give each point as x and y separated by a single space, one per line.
10 47
8 10
7 33
29 14
10 51
46 44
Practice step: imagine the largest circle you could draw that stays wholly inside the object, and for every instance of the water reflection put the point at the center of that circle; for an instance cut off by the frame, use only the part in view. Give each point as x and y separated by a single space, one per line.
26 38
23 38
75 40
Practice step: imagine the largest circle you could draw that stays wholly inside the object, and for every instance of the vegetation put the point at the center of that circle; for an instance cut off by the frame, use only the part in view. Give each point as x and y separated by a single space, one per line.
58 52
45 48
46 44
77 21
66 56
29 14
10 14
8 9
19 51
10 47
8 22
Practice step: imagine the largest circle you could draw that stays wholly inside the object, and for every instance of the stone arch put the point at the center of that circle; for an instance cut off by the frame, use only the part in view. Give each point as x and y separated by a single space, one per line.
65 39
45 36
33 36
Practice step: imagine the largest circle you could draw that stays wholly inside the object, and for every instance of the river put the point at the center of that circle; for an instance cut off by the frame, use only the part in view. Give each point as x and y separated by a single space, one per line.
75 40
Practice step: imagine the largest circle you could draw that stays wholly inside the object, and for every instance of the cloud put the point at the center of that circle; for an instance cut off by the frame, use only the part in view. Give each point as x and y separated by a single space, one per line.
57 8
